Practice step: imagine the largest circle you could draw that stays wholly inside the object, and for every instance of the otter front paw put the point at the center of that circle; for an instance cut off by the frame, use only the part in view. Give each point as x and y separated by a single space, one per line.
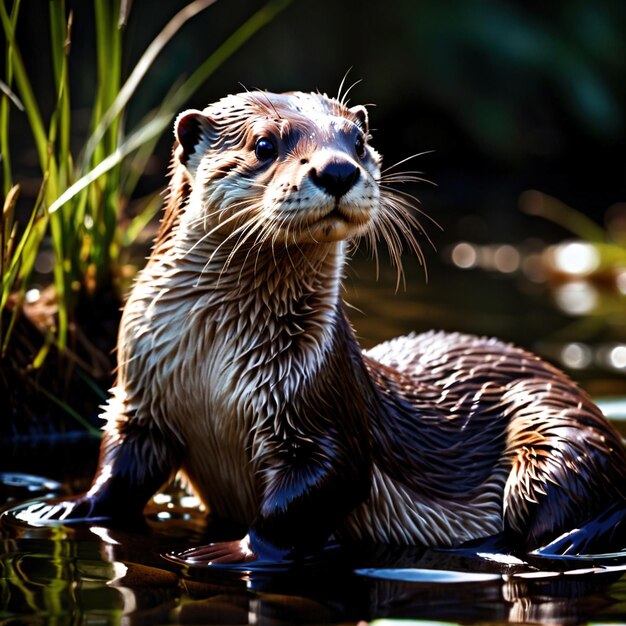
64 511
252 550
221 553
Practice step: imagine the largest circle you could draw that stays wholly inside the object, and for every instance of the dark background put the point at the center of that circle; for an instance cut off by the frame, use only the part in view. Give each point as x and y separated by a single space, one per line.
509 95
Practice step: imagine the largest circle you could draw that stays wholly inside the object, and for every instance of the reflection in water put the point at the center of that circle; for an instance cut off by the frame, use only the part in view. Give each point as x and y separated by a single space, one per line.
464 255
110 576
576 258
576 355
574 276
499 258
617 357
114 576
577 297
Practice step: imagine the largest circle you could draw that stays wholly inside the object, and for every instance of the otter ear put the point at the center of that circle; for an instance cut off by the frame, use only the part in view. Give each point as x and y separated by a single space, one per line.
360 112
191 128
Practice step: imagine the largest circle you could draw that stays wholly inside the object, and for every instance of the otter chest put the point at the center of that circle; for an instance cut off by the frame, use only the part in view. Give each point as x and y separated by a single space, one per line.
216 420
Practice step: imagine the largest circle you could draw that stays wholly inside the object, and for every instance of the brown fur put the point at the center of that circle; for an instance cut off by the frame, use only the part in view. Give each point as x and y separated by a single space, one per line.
238 367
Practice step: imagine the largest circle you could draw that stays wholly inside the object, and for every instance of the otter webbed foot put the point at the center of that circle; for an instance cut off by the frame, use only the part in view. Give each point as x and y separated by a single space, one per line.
603 534
63 511
251 549
220 553
129 473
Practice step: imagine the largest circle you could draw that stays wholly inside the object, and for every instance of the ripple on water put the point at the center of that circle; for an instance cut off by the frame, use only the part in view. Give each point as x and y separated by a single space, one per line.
428 575
19 486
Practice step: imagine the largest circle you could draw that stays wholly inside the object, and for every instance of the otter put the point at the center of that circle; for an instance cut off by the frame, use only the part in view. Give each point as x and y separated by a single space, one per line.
239 370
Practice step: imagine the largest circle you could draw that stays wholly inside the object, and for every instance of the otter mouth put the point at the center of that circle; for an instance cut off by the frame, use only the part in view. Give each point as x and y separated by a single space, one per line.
337 214
333 222
344 215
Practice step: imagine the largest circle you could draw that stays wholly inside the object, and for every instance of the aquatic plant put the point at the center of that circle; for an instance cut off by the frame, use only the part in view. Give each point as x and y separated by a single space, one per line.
80 207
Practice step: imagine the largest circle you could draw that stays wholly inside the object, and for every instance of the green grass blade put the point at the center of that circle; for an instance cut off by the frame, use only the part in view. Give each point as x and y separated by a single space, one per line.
64 235
25 90
92 384
99 219
153 128
7 238
139 71
19 272
183 92
7 91
17 264
7 174
8 212
552 209
60 37
249 28
141 220
70 411
61 273
21 262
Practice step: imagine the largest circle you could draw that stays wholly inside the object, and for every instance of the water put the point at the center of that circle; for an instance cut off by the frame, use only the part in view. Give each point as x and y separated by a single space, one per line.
96 575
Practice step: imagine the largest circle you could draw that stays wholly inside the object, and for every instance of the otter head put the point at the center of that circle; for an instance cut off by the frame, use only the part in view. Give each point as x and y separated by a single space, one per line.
293 168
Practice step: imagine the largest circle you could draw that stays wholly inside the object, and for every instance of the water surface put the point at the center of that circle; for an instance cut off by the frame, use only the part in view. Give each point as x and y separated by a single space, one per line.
97 575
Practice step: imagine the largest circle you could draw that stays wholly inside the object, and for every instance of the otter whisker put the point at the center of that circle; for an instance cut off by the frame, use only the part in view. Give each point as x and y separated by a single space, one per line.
294 243
397 217
244 233
305 256
261 186
405 220
241 241
234 252
404 177
263 229
267 235
419 173
206 236
209 215
263 100
238 232
261 236
404 214
407 201
269 228
242 244
372 245
402 161
282 224
394 243
217 248
343 98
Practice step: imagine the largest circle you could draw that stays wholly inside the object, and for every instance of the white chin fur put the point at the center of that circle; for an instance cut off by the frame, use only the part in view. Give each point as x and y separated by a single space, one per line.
325 231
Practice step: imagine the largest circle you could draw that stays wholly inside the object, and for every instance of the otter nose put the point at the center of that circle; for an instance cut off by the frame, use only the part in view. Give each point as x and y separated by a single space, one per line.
335 177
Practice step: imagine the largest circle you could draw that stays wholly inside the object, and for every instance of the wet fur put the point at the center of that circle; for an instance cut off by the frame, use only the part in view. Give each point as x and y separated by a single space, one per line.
238 367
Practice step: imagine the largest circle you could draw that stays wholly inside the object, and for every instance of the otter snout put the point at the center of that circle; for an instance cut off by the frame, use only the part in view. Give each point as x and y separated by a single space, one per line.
336 177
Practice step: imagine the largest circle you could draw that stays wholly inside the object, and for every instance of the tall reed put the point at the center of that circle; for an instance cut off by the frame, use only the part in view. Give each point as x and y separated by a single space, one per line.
82 194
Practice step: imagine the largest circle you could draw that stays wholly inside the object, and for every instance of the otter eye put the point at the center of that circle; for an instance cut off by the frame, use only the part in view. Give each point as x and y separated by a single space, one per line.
359 146
265 149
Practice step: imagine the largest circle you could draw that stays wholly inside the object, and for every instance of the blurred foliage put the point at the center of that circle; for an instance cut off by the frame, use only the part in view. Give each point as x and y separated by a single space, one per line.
81 207
537 88
83 195
494 64
490 78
